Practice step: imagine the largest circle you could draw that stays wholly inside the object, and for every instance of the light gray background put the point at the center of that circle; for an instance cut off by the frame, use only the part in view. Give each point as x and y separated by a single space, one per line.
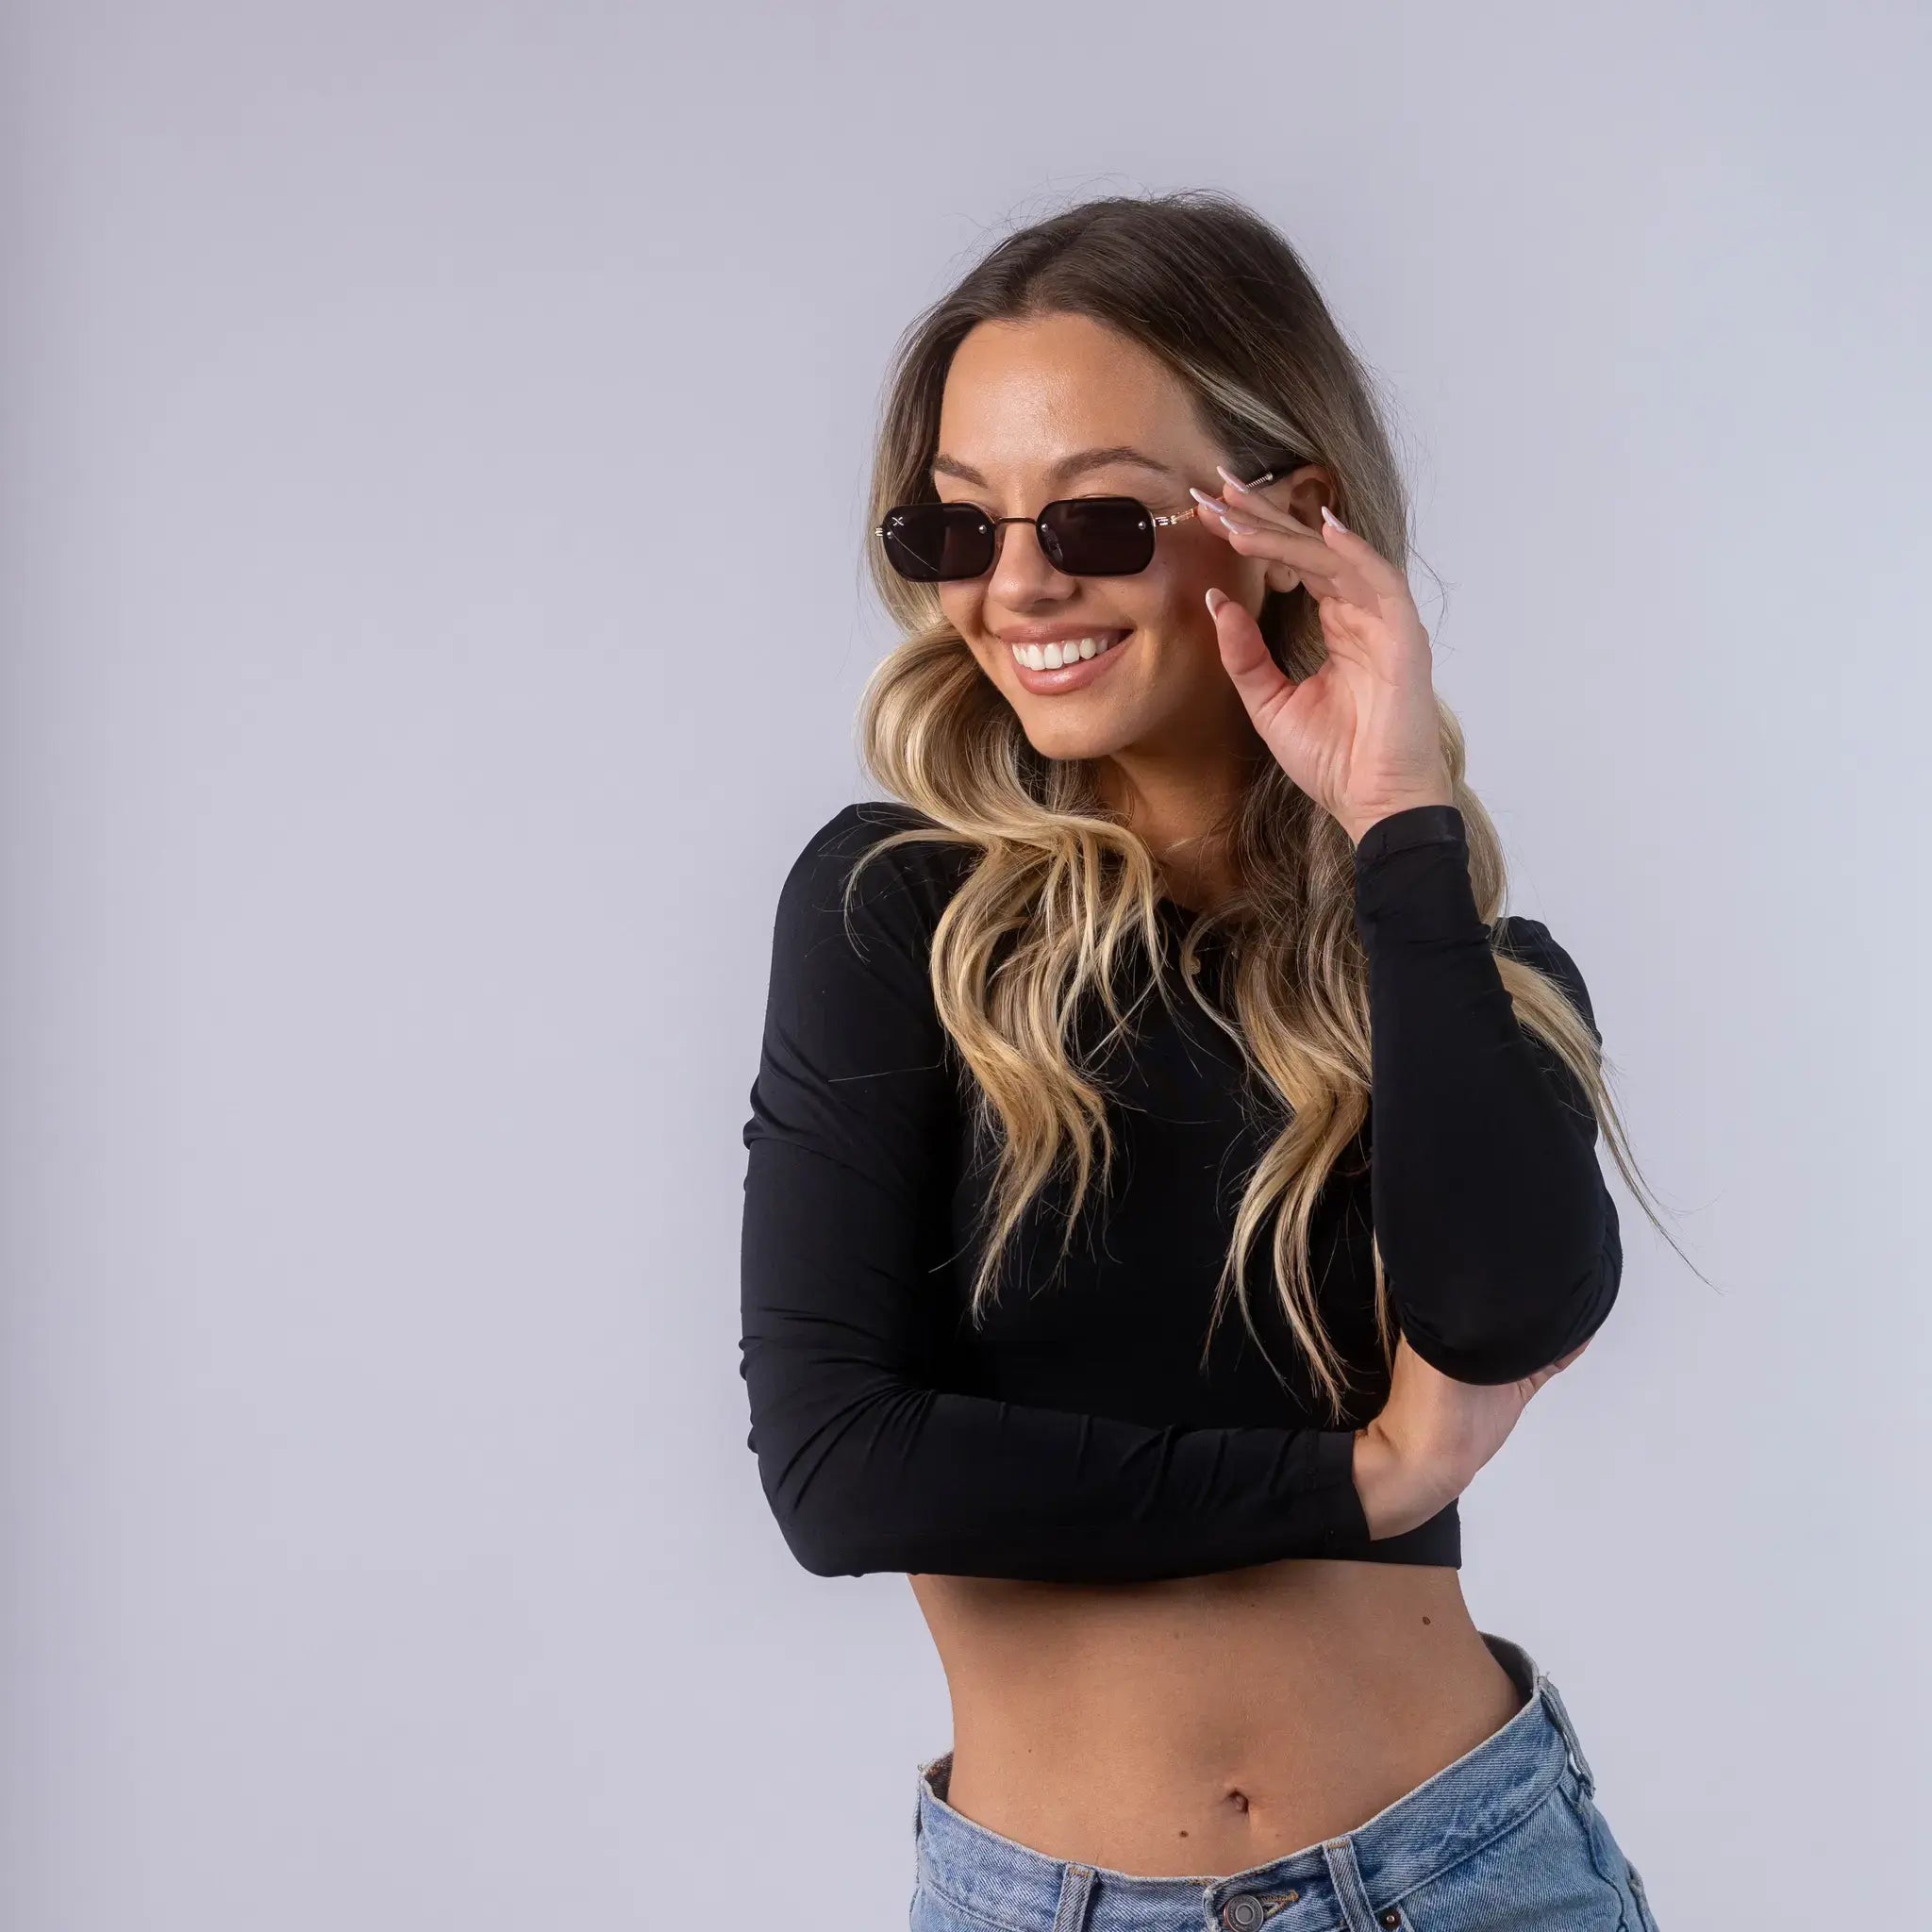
433 476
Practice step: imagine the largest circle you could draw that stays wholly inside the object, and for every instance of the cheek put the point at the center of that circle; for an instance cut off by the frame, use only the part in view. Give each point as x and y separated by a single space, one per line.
1173 590
966 613
1213 559
1171 595
958 609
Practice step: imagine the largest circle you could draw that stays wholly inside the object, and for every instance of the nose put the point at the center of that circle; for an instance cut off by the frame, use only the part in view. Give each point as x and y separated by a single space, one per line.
1021 569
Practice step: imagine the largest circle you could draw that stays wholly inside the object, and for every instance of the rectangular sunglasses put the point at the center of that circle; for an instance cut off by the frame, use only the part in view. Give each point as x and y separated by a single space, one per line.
1081 536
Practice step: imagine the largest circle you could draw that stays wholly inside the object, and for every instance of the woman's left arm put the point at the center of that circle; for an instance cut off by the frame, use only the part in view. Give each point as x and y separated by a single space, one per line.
1500 1238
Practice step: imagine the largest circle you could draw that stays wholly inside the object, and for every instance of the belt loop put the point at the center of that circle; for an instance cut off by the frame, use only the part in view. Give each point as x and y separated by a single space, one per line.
1553 1699
1077 1883
1345 1875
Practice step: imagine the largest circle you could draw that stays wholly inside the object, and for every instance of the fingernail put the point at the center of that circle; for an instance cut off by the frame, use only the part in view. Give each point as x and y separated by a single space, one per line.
1201 496
1330 517
1214 609
1234 482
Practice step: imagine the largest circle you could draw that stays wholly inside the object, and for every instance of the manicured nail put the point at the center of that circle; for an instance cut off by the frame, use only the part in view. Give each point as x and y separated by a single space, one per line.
1201 496
1234 482
1214 609
1330 517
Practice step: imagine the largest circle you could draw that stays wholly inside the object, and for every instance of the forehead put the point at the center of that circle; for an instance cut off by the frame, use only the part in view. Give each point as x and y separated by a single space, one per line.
1022 398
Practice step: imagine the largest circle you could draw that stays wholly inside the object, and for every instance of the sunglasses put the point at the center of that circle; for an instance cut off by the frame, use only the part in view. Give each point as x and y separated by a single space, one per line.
1081 536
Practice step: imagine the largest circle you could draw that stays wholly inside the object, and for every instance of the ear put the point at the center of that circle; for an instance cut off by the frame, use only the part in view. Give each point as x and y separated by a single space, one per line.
1301 494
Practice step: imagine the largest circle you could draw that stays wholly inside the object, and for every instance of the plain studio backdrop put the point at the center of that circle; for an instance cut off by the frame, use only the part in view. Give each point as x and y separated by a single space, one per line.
434 484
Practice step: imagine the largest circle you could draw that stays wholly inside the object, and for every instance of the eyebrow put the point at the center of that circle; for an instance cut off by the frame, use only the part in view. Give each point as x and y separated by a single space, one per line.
1067 466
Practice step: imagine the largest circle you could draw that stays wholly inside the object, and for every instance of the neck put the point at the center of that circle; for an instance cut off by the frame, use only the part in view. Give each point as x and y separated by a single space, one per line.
1178 809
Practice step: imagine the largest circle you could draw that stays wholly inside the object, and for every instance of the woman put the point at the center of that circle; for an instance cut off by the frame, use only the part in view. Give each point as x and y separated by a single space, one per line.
1194 1581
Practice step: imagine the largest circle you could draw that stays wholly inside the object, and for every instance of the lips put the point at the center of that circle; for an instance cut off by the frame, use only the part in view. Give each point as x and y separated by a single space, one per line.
1074 675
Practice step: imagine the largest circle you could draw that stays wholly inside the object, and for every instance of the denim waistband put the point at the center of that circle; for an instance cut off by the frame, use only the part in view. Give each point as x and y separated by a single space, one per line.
1445 1817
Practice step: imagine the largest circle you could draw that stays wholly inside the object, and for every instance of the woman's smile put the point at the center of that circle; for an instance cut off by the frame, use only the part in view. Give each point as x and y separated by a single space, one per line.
1050 666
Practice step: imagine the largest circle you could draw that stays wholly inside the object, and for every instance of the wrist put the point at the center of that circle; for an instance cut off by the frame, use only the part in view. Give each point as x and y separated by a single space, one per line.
1375 1477
1358 824
1396 1496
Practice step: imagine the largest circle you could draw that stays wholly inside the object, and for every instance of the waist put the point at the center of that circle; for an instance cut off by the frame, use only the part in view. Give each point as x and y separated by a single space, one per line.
1205 1724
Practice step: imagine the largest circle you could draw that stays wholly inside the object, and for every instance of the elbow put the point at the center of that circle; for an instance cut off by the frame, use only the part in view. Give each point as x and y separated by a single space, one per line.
1501 1328
827 1542
830 1492
817 1553
819 1529
844 1457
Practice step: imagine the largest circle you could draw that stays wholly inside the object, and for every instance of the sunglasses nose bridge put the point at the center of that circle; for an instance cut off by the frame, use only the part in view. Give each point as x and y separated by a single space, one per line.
1040 542
999 540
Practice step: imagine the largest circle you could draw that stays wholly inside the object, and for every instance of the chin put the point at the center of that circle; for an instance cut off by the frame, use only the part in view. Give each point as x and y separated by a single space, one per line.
1077 752
1067 741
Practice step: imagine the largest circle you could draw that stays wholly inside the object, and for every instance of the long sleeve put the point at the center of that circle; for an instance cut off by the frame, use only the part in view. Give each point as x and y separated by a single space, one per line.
1500 1238
866 1466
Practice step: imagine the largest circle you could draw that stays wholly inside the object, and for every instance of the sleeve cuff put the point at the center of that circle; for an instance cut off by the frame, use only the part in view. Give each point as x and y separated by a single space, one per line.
1346 1529
1417 824
1411 880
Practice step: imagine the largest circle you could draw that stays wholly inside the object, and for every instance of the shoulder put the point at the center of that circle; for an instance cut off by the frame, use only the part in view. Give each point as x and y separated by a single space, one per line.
1531 941
899 894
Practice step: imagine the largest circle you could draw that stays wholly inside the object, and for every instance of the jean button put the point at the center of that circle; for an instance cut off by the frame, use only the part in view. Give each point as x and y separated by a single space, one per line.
1243 1912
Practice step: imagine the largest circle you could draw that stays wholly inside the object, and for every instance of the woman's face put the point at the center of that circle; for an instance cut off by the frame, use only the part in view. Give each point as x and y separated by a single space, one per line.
1025 403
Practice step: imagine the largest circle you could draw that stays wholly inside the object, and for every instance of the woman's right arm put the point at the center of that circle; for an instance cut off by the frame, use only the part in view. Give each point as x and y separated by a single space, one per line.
866 1465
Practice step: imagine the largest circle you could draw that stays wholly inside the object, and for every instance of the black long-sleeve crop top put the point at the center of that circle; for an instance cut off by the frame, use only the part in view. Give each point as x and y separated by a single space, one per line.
1074 1435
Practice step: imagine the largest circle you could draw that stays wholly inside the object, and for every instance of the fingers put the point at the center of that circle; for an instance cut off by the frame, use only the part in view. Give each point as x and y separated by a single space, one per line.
1242 505
1266 531
1257 526
1243 498
1538 1377
1249 504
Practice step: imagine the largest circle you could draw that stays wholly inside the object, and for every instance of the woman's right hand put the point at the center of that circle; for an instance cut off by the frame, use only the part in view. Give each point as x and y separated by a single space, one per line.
1431 1437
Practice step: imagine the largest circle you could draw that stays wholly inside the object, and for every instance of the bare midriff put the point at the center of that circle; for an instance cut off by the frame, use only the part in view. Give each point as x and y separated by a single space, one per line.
1203 1724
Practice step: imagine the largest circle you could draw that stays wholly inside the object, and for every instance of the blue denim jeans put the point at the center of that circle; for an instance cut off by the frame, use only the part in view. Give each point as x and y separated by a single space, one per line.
1508 1839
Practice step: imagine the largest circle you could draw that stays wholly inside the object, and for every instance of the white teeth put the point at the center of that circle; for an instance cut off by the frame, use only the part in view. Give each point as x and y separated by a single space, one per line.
1054 656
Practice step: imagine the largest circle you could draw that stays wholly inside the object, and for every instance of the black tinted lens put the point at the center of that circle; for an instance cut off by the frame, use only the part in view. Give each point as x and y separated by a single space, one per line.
931 542
1099 536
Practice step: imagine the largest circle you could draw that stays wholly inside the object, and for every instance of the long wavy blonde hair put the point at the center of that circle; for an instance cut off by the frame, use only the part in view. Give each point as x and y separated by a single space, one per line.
1062 883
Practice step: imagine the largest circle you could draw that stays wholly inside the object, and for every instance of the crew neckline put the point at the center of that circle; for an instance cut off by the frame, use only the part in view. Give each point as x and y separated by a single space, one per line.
1173 905
1176 918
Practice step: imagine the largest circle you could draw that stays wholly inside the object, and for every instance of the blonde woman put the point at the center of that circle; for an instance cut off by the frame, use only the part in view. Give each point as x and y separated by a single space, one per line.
1169 1176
